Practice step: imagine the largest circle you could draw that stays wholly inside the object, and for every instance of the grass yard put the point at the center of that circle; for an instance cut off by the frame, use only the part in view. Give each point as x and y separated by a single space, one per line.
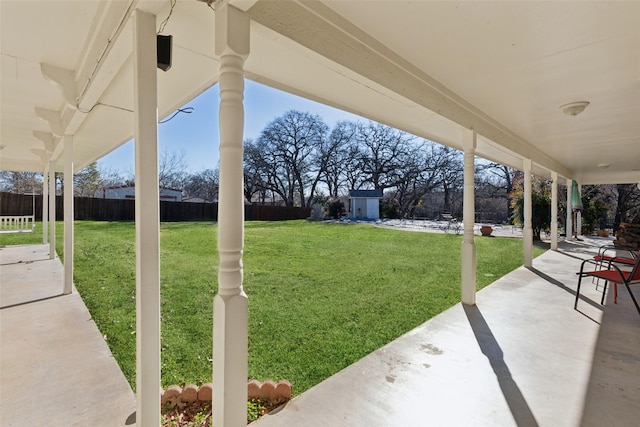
321 296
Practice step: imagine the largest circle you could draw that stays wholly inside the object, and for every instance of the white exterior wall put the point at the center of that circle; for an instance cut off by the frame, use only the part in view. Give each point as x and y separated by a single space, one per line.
166 194
369 208
373 208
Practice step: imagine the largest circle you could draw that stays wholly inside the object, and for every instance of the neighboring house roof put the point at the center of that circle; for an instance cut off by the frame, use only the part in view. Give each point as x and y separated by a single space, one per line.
195 200
366 193
115 187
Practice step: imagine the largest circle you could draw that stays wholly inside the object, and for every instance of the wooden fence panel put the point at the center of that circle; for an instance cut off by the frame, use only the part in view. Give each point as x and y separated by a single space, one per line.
88 208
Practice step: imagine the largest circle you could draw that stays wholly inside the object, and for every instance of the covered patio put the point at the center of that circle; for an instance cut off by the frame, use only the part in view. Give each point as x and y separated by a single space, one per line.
493 79
521 356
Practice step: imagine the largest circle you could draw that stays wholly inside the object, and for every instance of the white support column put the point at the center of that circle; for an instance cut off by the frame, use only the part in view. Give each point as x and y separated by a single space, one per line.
230 310
569 227
468 255
52 210
554 211
579 215
45 204
147 196
527 235
68 214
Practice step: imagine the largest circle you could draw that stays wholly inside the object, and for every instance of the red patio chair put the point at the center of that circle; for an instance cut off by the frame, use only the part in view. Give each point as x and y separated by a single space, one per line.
603 258
612 274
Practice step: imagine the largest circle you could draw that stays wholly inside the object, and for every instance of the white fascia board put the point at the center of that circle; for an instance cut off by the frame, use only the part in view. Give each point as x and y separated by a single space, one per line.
321 30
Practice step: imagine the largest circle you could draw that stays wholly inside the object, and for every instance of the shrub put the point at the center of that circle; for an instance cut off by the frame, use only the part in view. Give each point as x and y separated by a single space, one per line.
317 212
335 208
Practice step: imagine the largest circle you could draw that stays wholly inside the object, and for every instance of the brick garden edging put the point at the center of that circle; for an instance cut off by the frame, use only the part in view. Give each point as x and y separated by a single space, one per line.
268 390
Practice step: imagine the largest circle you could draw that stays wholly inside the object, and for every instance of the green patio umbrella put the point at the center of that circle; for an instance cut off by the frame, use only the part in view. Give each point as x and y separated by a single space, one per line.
576 200
576 206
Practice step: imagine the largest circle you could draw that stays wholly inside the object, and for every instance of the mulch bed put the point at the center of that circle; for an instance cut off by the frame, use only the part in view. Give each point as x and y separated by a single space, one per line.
198 414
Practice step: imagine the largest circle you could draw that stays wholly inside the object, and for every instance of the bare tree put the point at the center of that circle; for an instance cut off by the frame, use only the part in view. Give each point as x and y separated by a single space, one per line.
382 152
87 181
255 171
203 184
332 157
497 181
628 206
291 142
172 169
351 175
21 182
422 174
111 177
451 173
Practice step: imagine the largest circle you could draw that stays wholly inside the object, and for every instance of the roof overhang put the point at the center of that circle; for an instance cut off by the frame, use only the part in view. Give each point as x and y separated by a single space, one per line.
501 69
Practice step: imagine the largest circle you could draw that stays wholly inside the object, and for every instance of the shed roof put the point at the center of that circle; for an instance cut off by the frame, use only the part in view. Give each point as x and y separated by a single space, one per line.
366 193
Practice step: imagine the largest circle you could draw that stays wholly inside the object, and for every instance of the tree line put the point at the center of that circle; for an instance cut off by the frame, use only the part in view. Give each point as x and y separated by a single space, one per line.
297 160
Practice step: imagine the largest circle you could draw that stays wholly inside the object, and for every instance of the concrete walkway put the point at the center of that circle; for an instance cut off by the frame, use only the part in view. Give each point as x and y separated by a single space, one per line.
55 368
521 357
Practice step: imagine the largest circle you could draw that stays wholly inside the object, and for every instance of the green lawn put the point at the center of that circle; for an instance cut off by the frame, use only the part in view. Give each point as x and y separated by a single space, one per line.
321 296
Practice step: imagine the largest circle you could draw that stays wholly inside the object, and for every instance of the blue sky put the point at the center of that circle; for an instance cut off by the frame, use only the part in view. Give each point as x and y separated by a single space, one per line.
197 134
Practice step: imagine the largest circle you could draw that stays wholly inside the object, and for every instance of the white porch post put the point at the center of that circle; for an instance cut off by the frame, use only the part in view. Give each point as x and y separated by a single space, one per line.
230 309
527 236
52 210
568 232
554 211
579 215
45 203
68 214
147 221
468 260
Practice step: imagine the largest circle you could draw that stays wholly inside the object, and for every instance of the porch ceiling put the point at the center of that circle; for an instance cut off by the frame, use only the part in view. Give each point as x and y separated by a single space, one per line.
431 68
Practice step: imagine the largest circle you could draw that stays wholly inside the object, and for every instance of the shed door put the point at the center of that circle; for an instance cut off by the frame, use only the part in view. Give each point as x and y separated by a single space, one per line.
359 208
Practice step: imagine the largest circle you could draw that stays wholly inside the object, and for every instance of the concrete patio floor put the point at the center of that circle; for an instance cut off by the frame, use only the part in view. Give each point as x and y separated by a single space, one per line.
55 367
521 357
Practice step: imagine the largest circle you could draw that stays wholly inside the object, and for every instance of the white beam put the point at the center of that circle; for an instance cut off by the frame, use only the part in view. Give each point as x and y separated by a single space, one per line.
554 211
230 340
68 214
147 221
527 232
52 210
468 258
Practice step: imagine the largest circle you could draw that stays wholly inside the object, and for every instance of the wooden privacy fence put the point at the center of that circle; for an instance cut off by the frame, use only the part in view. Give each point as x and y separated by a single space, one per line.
88 208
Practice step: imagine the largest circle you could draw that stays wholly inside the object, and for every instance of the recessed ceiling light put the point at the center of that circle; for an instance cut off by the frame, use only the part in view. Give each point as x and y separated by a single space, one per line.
574 108
604 165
